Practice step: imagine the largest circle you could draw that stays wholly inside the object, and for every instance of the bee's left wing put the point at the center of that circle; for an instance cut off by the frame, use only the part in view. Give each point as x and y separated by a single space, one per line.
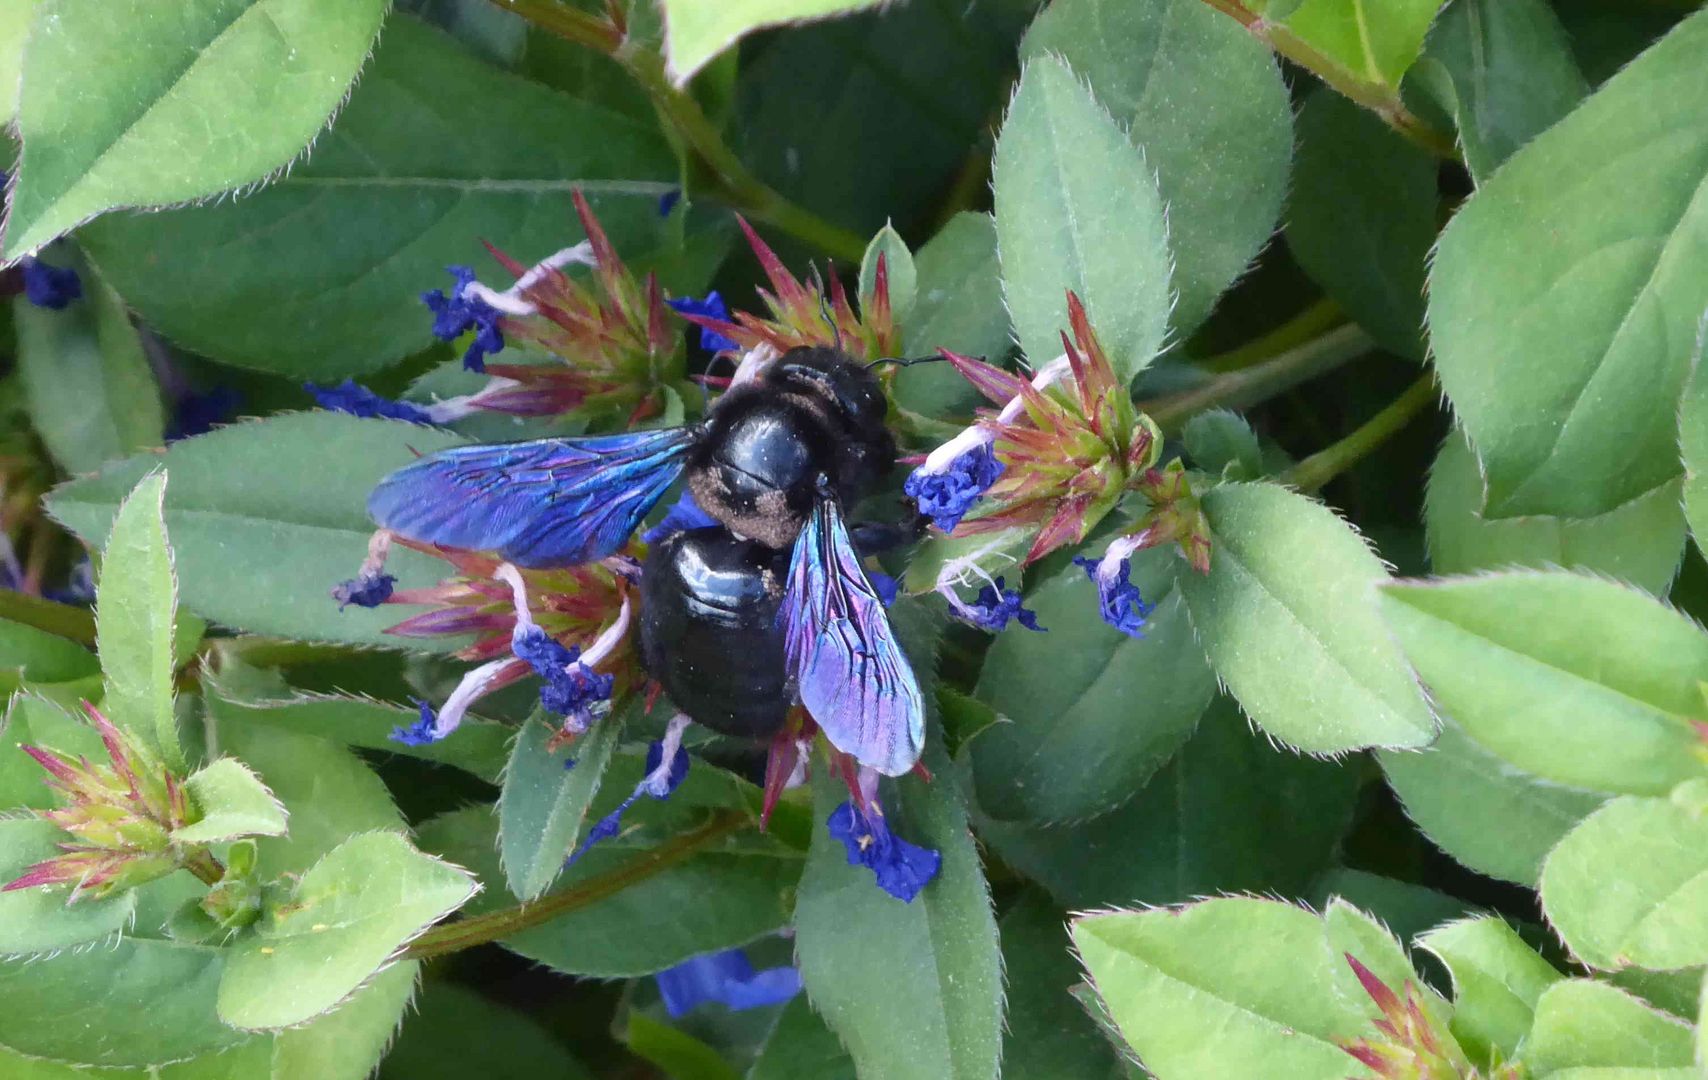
548 502
851 672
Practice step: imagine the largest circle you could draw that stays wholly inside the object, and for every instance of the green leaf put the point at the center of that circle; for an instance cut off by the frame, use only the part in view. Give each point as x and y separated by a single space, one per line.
1587 283
336 930
1221 442
1503 71
481 746
1589 1025
89 388
1573 679
899 271
674 1052
134 611
1640 542
1629 886
1112 709
724 896
545 802
233 802
136 1002
435 1043
1286 616
168 109
695 32
1405 908
1228 813
14 29
957 306
1049 1037
435 152
1497 981
1375 42
44 919
38 656
1205 101
328 792
913 990
260 546
1077 208
1693 443
1234 987
800 1045
1453 788
1361 218
908 89
348 1043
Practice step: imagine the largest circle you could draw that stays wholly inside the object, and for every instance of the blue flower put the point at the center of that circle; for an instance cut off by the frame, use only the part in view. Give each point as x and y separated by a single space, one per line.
49 286
994 608
902 869
570 689
887 587
420 733
683 516
196 413
1118 599
659 782
368 590
357 400
727 978
945 494
712 307
667 202
458 313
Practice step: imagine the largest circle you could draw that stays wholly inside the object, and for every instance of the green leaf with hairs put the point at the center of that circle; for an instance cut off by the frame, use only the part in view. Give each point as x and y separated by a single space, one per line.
172 104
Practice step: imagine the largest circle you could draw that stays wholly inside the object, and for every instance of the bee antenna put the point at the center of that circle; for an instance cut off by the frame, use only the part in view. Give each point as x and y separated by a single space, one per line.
824 308
903 362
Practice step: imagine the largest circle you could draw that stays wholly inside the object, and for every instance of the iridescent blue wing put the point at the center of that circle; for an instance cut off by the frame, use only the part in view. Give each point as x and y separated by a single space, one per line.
549 502
852 675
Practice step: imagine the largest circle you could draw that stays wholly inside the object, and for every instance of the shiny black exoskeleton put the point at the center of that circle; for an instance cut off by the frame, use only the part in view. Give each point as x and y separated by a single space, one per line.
709 630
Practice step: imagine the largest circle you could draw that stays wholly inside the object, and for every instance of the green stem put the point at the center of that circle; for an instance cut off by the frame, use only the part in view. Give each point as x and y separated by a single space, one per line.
1324 465
66 621
733 181
1318 319
1378 97
203 864
507 922
1248 386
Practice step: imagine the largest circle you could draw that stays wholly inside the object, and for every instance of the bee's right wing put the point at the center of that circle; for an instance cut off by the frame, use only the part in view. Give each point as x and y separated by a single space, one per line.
849 668
548 502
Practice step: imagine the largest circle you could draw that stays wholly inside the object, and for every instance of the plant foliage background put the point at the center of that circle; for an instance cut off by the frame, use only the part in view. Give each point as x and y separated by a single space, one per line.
1405 775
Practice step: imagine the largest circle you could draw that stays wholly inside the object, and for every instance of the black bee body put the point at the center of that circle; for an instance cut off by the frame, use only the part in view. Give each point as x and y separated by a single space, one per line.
767 604
814 412
709 628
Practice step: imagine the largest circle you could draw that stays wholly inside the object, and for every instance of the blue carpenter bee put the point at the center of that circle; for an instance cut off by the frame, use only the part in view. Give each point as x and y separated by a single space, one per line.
738 618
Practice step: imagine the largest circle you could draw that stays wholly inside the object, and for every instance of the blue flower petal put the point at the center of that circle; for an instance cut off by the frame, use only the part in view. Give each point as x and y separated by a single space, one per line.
1118 599
658 784
902 869
456 314
946 496
727 978
357 400
712 307
48 286
667 202
888 588
369 591
995 607
421 732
